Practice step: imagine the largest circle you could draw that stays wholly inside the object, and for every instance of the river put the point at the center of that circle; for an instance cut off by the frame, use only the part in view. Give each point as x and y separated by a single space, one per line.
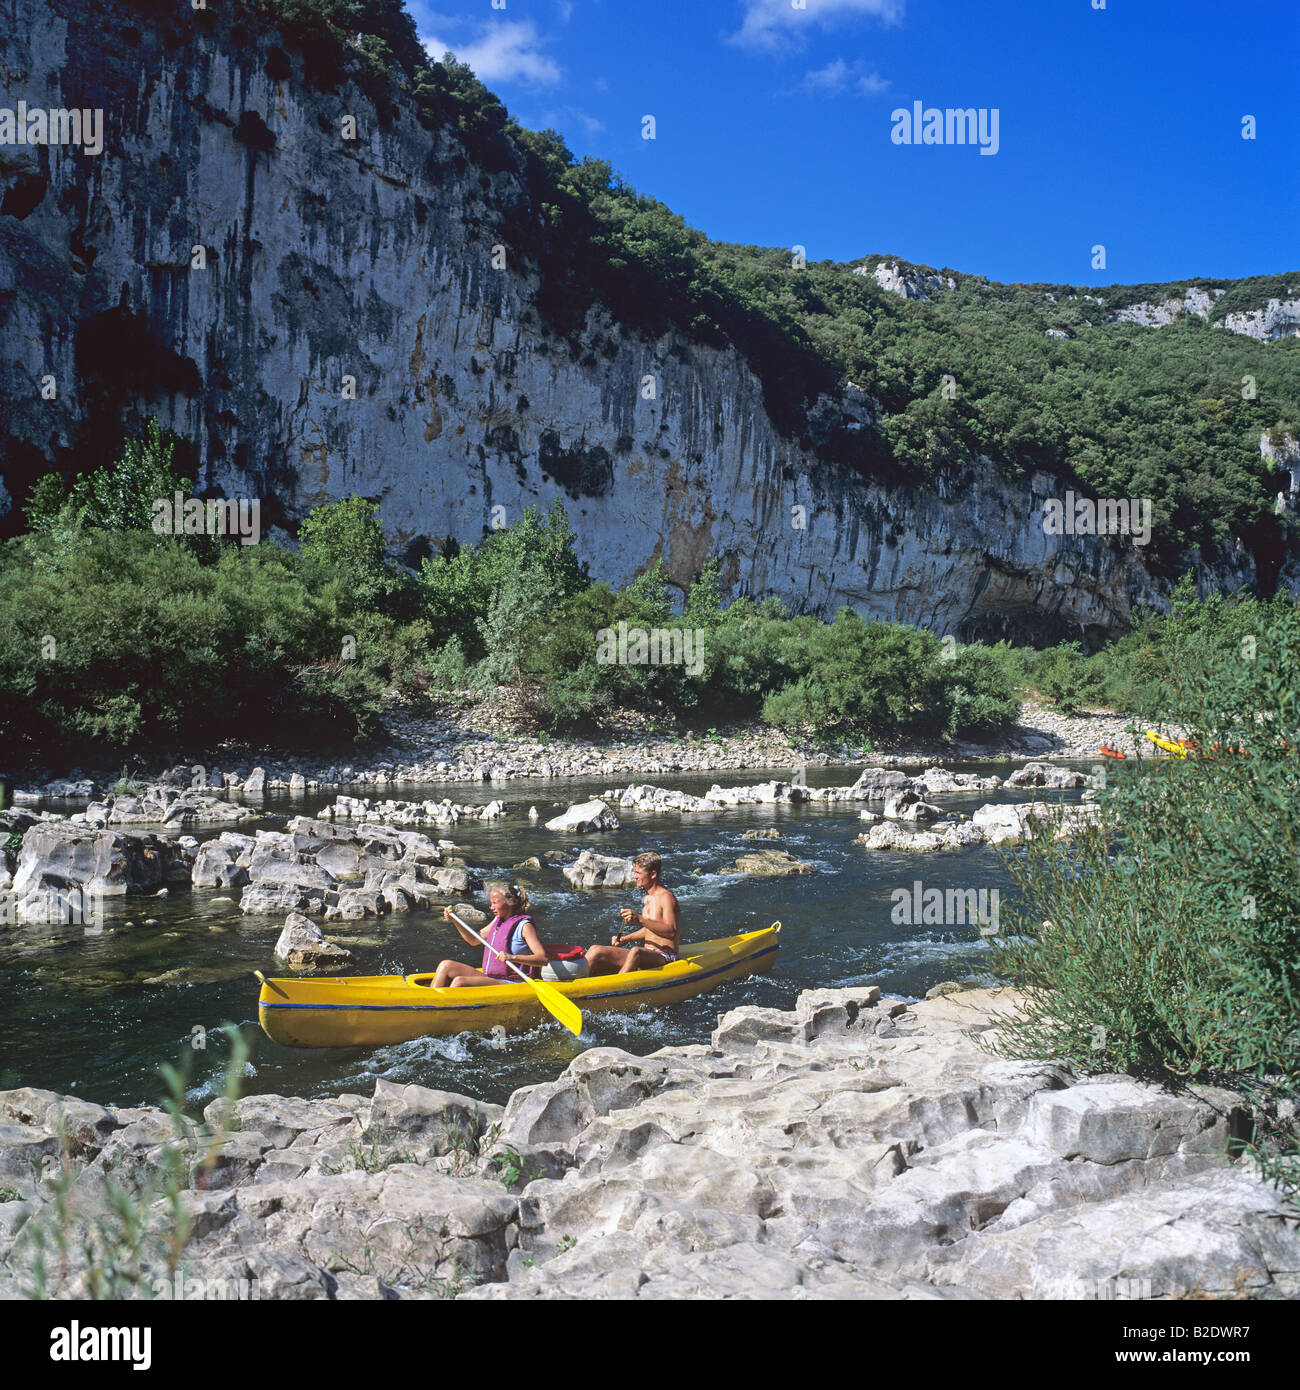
89 1015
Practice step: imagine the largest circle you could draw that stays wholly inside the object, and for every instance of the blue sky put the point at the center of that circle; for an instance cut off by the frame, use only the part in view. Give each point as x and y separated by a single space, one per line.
1119 126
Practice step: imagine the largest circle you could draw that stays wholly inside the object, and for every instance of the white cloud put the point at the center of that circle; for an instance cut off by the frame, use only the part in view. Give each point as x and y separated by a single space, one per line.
776 23
839 77
506 51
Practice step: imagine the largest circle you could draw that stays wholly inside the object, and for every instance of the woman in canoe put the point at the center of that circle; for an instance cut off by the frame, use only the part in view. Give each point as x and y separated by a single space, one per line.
511 936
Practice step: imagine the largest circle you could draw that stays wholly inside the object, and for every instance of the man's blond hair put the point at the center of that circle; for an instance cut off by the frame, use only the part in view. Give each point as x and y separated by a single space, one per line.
649 861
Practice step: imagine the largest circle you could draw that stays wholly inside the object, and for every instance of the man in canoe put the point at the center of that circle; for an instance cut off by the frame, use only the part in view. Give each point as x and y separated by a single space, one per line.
510 935
656 940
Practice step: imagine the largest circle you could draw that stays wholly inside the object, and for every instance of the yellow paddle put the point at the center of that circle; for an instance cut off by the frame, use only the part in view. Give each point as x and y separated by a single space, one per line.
551 998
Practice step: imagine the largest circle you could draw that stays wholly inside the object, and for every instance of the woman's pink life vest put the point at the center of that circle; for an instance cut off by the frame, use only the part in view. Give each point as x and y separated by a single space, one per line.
504 934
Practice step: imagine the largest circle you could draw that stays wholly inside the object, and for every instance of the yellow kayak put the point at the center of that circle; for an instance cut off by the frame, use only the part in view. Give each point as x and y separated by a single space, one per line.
370 1010
1177 749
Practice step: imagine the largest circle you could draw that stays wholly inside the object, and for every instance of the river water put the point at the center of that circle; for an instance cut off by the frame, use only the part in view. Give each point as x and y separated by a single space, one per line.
95 1015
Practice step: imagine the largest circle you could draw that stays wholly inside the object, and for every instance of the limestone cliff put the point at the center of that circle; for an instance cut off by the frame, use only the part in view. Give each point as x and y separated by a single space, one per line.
322 316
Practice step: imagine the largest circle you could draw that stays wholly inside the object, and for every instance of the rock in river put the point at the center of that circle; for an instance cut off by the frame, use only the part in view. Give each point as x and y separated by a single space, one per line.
592 870
587 815
907 805
161 805
769 863
60 862
1045 775
303 943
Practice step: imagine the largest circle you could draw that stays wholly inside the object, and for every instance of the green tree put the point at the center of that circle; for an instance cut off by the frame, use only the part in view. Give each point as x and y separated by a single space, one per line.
119 497
344 542
645 600
704 600
45 502
152 646
465 592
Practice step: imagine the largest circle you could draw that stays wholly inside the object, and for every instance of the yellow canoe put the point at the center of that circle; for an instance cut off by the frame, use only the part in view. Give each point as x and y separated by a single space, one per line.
1177 749
371 1010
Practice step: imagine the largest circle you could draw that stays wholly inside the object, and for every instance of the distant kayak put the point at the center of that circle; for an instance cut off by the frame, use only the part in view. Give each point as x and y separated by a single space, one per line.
372 1010
1108 752
1187 748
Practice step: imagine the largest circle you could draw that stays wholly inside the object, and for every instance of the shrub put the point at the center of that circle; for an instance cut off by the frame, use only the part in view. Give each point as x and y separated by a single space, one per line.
1066 677
45 502
1174 938
703 606
120 1231
522 601
645 600
862 678
1144 670
343 543
119 497
447 668
752 653
454 591
150 645
459 589
979 693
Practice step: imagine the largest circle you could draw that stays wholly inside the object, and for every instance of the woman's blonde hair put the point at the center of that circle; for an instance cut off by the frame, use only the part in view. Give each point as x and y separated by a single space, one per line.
512 893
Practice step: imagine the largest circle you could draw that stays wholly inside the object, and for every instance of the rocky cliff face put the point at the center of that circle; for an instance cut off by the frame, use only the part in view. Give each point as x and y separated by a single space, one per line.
1159 315
1279 318
325 316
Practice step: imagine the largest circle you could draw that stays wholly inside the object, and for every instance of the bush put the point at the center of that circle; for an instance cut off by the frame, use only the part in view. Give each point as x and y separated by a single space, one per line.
568 690
454 591
862 678
831 680
447 668
754 652
1067 678
979 692
131 640
120 497
521 603
343 543
1174 938
1145 670
465 593
119 1231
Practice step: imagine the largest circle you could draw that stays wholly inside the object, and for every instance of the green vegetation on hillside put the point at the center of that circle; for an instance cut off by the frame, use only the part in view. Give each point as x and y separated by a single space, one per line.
112 636
115 637
1146 671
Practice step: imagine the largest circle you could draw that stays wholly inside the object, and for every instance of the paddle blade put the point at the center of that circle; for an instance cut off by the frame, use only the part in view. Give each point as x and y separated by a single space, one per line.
563 1009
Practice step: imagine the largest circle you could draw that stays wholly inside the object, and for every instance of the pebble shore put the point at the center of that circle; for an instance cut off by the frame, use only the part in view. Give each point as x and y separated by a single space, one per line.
473 744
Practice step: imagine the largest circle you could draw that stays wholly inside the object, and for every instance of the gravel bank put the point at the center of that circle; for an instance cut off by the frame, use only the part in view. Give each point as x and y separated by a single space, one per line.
473 744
